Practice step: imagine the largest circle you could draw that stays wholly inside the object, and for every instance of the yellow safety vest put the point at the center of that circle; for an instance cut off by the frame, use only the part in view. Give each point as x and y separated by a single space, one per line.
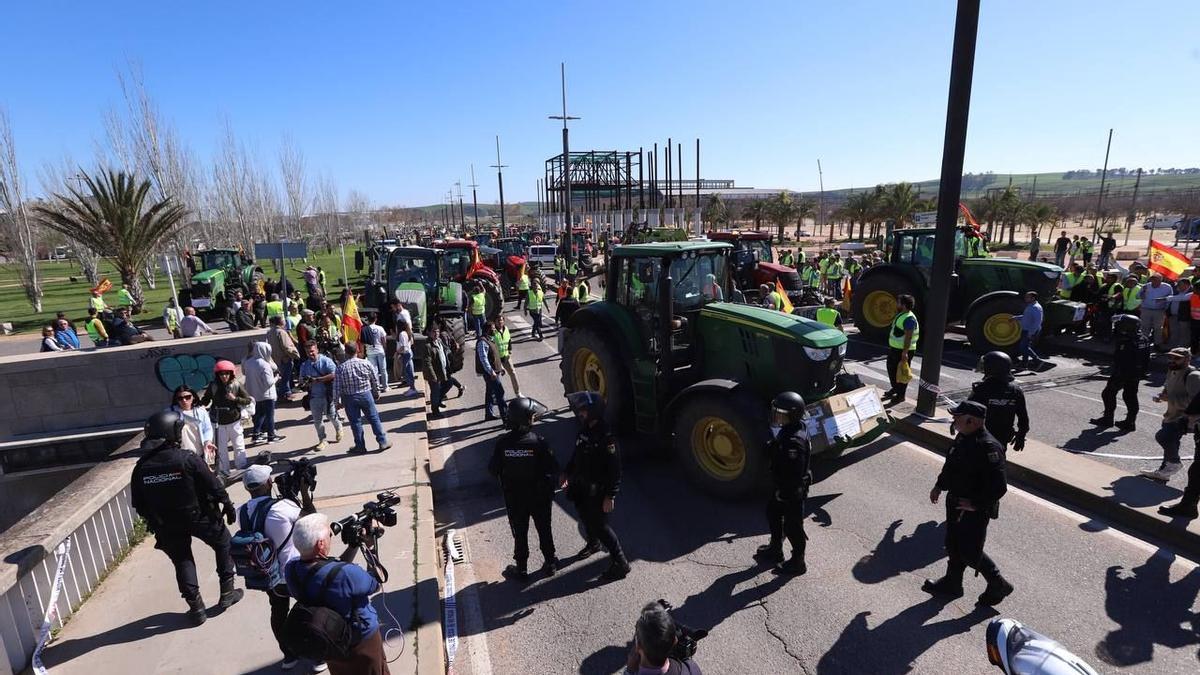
523 283
502 338
574 267
274 308
827 316
535 299
896 335
776 301
125 298
479 304
834 271
1132 301
581 293
1071 278
97 303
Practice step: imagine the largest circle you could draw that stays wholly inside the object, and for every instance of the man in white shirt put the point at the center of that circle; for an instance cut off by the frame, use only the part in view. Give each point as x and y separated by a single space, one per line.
281 519
375 339
192 325
1154 309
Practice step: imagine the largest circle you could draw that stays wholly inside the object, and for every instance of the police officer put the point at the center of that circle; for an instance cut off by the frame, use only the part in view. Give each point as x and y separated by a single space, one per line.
1131 361
592 480
527 471
179 498
1004 399
789 454
973 478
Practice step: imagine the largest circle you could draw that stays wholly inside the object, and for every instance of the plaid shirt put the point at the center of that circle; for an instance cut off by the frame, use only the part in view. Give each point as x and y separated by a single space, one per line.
354 376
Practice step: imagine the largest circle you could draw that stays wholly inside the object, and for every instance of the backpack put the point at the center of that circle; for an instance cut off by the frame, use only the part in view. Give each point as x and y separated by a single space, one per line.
315 632
255 556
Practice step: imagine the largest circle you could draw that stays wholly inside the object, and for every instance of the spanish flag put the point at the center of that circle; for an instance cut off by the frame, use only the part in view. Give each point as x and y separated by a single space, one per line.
787 304
1167 261
351 321
103 286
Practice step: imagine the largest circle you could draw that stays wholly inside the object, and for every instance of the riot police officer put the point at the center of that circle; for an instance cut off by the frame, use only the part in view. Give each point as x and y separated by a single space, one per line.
789 455
1131 361
527 471
973 478
593 479
180 498
1004 399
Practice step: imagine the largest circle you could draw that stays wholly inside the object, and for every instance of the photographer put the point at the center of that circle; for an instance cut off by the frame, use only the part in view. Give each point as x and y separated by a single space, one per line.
317 580
655 645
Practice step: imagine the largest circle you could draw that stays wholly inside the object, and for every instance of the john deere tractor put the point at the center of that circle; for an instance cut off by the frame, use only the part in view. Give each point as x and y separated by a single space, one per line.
219 273
985 293
673 360
422 279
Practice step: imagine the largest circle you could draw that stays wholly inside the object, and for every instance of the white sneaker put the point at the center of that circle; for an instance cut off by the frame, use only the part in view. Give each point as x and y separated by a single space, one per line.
288 664
1164 474
321 445
337 436
319 667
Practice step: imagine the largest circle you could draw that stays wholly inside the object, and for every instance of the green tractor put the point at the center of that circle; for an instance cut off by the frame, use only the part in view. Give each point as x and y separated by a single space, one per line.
673 360
219 273
421 279
985 293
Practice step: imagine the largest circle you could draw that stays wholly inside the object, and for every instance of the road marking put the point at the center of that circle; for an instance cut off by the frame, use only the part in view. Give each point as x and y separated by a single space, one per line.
1079 518
1096 400
1106 454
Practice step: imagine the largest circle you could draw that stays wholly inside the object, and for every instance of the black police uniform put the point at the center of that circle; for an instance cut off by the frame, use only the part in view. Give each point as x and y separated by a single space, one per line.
527 471
1005 403
593 473
180 498
1131 361
789 454
974 470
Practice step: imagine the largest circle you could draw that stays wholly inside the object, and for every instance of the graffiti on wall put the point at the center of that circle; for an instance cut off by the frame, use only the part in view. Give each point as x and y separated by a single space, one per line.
194 370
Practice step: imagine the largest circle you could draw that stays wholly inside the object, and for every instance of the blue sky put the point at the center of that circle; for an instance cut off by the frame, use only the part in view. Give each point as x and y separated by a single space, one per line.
397 99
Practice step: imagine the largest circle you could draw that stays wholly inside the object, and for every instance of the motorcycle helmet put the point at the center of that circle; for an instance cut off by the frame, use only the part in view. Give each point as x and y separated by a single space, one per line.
787 408
588 402
1127 325
166 425
994 364
224 366
523 412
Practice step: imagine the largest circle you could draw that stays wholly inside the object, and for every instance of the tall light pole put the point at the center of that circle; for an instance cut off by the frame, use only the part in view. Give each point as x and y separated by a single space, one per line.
462 218
566 160
474 198
1100 199
500 179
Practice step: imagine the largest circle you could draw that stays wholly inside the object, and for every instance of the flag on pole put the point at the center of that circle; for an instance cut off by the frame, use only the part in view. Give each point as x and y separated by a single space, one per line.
787 304
351 321
103 286
1167 261
846 294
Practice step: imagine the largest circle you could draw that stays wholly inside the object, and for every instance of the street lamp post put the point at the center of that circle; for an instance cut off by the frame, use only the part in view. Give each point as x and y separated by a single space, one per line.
500 179
566 162
474 198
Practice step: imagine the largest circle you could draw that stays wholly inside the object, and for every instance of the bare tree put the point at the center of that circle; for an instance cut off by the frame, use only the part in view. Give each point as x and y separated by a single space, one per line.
234 189
358 206
295 184
326 208
56 178
19 229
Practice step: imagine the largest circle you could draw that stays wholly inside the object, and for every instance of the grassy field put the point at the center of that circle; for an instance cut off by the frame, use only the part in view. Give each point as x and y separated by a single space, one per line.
60 294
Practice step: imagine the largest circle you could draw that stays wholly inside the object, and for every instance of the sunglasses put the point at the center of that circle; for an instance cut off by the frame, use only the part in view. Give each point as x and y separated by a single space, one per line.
184 397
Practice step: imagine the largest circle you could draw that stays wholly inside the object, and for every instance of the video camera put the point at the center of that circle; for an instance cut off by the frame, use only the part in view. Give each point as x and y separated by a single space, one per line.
685 636
368 524
297 482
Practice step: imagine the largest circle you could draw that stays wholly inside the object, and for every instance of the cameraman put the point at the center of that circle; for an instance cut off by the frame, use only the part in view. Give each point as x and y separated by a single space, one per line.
348 594
654 639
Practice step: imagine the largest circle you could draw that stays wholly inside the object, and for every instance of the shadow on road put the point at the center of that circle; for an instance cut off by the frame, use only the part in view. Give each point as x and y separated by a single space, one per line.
1140 492
150 626
893 557
1149 609
1092 439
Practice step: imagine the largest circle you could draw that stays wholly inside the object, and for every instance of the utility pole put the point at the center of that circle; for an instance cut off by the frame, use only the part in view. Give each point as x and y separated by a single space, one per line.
474 198
1100 199
500 179
699 224
821 203
958 108
462 218
566 163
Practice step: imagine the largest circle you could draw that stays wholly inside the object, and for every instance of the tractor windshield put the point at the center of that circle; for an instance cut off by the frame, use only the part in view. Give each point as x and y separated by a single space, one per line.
762 246
404 268
699 278
458 261
511 247
215 260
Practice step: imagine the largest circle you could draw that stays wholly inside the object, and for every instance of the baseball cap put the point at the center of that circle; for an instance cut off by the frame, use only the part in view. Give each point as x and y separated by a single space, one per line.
1181 352
256 476
970 408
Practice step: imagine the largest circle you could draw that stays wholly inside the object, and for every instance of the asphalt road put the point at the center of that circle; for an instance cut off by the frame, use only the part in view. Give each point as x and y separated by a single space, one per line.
1121 603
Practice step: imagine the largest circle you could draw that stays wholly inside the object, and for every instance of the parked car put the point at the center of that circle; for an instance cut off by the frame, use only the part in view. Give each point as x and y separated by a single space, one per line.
1157 222
543 255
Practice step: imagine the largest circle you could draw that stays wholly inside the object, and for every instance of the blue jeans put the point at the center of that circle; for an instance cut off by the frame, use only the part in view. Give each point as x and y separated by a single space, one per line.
379 360
1025 347
321 409
477 321
362 405
536 318
404 368
494 396
1169 436
264 417
283 388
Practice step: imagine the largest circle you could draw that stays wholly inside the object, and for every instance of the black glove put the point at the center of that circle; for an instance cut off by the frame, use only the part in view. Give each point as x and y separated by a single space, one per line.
1019 443
230 512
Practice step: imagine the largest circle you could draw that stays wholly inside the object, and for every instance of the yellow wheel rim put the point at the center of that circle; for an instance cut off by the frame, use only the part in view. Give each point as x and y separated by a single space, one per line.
1001 330
588 372
718 448
879 308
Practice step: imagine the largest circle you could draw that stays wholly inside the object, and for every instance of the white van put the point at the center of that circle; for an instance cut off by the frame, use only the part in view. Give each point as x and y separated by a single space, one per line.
1156 222
543 255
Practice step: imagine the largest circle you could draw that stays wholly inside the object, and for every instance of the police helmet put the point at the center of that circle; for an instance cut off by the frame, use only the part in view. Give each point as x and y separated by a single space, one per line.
994 364
589 402
1128 325
523 412
787 408
166 425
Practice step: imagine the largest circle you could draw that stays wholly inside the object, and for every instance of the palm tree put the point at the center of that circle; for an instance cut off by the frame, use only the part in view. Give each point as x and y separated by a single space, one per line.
781 209
900 203
114 219
860 207
803 208
715 212
756 210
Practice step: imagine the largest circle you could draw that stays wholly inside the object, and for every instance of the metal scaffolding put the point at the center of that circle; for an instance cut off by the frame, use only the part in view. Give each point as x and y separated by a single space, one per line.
600 180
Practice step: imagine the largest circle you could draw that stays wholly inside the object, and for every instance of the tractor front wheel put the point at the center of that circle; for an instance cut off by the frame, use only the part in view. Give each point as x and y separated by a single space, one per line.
721 444
591 363
875 304
991 327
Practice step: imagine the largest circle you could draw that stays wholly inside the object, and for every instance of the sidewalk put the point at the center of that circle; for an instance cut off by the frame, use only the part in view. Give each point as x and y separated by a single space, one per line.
1120 497
134 623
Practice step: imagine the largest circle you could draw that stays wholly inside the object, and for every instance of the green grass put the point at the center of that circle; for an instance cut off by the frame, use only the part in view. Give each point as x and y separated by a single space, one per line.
62 295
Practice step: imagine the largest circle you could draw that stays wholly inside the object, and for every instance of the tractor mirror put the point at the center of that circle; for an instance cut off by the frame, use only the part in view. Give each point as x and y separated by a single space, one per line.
358 261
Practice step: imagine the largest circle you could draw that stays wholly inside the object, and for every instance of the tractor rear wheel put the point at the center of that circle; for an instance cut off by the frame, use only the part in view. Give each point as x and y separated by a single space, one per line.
875 304
991 327
455 326
591 363
721 443
495 298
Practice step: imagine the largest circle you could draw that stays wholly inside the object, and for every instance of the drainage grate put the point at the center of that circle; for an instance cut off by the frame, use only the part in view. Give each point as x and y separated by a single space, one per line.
455 550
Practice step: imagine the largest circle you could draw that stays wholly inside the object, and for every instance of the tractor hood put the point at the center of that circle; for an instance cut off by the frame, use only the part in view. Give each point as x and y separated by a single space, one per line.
775 268
206 276
807 332
1031 265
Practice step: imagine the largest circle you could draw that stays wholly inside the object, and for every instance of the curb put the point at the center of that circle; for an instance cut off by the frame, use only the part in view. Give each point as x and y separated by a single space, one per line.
1077 480
431 659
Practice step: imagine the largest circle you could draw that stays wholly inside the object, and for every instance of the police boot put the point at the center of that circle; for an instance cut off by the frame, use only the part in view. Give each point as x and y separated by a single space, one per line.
1180 510
1103 421
550 567
516 572
589 549
617 569
229 594
196 612
997 589
949 586
771 552
794 566
1126 425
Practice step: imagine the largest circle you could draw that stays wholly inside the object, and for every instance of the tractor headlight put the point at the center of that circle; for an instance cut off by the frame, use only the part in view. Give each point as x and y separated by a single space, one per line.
816 354
842 349
1051 275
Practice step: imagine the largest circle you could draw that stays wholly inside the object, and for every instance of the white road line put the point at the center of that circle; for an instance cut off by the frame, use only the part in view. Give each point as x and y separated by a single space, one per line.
1105 454
1078 518
1096 400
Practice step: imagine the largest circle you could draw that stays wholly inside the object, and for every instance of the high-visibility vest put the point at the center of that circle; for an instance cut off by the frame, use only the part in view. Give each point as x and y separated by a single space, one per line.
896 335
478 304
523 283
125 297
98 303
535 297
1132 301
823 264
800 257
502 338
786 260
1069 281
810 276
274 308
827 316
581 293
574 267
94 332
776 300
558 264
834 271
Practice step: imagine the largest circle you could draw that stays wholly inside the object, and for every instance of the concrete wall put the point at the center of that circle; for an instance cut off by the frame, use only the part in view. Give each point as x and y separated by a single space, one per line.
58 393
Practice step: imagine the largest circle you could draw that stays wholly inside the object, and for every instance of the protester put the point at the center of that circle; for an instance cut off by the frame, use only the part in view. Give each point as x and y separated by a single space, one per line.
197 435
318 371
355 387
193 326
1179 390
285 354
487 364
49 342
261 377
503 339
244 317
225 399
1030 321
1153 310
172 316
436 370
95 328
456 358
374 340
1061 246
65 335
535 302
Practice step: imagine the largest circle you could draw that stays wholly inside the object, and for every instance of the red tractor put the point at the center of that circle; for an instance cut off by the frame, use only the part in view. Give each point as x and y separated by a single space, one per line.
464 264
754 265
508 261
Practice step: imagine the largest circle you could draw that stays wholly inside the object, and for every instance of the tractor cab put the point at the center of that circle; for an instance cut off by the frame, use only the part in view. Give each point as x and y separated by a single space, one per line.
915 247
217 259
